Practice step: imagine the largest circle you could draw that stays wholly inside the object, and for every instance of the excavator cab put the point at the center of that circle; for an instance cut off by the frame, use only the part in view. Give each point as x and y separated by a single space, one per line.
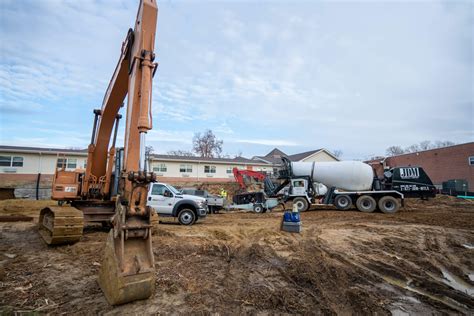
62 225
66 184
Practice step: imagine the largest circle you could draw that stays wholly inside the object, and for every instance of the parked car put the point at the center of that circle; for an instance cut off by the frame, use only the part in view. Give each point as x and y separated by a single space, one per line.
215 203
167 201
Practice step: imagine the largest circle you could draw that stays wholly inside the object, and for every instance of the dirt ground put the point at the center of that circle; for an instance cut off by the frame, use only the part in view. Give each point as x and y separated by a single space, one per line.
420 260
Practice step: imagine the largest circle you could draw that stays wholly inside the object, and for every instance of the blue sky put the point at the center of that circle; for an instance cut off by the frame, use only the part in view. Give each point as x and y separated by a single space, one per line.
355 76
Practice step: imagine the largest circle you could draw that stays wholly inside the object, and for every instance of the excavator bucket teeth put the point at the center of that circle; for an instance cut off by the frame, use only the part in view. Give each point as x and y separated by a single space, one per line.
121 286
60 225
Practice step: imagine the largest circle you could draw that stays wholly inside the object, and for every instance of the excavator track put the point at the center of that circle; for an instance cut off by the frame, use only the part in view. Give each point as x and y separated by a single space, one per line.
60 225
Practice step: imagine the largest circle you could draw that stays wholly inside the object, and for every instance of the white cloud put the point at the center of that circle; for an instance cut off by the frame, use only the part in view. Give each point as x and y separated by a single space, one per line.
273 73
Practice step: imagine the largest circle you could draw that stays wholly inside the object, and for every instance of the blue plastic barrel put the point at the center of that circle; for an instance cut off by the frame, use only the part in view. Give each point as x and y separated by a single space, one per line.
290 216
287 216
295 217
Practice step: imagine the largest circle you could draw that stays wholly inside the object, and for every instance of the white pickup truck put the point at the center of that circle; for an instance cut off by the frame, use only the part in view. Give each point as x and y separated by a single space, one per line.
167 201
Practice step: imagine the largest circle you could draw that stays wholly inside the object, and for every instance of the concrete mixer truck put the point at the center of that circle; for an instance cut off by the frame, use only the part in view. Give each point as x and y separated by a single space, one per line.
354 183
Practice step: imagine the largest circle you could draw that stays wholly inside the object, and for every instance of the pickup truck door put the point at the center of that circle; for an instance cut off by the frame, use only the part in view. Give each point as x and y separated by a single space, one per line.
157 199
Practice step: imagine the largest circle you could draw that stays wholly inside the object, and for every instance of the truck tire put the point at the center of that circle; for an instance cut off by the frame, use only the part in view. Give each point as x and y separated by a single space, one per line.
366 204
301 203
389 205
186 217
343 202
258 208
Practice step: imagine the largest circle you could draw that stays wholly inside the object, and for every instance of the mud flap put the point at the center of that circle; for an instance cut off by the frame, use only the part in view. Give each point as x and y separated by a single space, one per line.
127 272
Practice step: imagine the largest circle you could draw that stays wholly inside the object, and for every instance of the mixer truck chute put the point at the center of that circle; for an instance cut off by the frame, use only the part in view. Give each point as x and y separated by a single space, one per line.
353 183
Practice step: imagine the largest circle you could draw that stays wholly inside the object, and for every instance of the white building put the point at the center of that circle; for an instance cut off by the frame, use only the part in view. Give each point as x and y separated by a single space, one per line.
179 169
26 166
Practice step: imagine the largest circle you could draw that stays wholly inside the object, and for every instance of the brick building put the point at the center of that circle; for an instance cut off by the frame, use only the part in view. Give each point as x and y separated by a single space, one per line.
441 164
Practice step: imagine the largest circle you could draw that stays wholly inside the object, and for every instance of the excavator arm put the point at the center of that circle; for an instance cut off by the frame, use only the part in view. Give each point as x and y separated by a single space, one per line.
133 77
269 187
127 272
239 176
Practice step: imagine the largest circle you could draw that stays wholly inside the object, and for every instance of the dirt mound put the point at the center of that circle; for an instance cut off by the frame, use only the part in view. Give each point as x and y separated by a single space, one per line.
24 207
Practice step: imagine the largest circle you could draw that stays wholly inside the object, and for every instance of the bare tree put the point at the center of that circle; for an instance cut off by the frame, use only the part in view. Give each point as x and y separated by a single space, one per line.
425 145
182 153
394 150
412 148
149 150
238 154
374 157
337 152
443 143
207 145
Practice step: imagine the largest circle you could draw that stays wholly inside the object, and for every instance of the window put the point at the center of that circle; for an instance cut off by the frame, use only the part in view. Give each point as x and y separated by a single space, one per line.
9 161
158 189
5 161
69 163
209 169
17 162
72 163
229 169
471 160
160 168
185 168
61 162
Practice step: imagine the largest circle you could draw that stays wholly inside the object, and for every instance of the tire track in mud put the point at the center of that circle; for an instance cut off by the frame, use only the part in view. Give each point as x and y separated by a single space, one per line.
410 265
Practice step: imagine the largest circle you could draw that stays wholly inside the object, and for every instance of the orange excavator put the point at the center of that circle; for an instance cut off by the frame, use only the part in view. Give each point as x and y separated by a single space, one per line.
114 186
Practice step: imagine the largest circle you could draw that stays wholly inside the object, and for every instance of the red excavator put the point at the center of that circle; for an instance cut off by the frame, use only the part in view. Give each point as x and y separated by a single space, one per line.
114 186
270 189
240 174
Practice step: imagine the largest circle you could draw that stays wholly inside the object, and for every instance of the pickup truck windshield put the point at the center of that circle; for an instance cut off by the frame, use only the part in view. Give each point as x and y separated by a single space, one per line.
173 189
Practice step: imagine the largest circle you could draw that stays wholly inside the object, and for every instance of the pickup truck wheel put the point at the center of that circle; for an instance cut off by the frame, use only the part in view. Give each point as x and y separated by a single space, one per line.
186 217
343 202
301 204
389 204
366 203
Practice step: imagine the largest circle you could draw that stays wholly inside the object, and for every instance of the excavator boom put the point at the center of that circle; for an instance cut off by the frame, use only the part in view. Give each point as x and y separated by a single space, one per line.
127 271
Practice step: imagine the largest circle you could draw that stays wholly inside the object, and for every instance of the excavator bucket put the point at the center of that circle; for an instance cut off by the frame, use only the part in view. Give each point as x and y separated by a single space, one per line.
127 272
60 225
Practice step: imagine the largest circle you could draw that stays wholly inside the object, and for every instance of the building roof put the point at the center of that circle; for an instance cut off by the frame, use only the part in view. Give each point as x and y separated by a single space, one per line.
268 160
274 156
42 150
240 160
301 156
276 153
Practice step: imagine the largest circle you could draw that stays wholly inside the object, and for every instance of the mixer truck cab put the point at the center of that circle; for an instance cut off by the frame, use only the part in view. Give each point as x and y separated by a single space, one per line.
167 201
303 192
